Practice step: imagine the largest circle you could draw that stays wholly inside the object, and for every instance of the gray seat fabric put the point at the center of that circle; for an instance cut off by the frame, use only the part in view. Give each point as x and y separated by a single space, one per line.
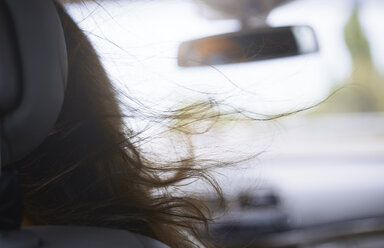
75 237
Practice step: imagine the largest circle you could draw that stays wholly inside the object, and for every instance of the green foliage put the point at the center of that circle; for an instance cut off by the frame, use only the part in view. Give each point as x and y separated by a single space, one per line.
363 90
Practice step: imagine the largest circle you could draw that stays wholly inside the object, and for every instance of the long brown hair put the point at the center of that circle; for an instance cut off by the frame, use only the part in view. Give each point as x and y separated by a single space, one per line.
89 172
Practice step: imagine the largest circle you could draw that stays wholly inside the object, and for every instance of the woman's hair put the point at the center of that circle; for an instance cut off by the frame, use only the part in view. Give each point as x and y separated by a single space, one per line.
89 172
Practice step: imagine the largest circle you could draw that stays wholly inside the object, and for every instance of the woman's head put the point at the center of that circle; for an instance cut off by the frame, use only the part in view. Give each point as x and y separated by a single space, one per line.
88 172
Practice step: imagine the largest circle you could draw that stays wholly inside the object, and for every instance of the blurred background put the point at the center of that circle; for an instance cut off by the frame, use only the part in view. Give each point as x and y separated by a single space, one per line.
318 178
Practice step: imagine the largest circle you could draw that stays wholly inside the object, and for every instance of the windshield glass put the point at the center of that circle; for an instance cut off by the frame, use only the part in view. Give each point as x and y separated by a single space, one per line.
326 160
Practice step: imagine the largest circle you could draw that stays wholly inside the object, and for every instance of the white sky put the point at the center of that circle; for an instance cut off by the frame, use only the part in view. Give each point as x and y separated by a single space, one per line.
146 35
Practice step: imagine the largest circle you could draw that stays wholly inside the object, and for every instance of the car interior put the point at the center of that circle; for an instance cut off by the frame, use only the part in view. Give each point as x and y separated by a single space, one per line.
318 181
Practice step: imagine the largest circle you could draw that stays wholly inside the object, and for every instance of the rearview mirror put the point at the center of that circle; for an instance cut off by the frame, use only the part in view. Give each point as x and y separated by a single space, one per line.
247 46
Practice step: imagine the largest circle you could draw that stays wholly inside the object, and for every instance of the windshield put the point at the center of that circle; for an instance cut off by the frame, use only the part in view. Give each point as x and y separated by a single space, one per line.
325 164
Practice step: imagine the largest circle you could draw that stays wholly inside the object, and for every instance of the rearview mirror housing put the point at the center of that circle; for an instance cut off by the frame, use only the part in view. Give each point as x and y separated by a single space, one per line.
247 46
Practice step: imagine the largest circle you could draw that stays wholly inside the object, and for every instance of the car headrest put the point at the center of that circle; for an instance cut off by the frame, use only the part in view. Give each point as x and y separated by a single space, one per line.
33 74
